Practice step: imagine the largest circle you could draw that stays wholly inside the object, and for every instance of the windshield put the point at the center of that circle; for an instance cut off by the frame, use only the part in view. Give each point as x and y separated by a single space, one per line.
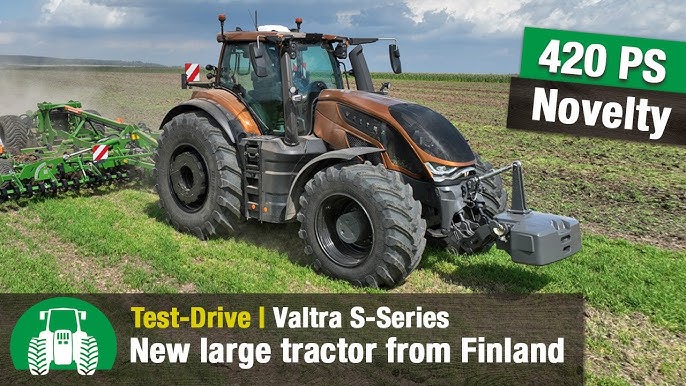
63 320
314 62
314 68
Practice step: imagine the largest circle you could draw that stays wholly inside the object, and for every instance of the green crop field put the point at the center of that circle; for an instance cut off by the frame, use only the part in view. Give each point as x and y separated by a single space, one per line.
630 198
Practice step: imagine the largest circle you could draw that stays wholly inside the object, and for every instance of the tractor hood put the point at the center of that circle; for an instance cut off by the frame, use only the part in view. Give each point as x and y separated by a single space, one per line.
430 134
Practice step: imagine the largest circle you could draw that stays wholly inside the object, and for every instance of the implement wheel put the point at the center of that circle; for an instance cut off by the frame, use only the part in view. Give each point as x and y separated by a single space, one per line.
6 167
361 224
197 177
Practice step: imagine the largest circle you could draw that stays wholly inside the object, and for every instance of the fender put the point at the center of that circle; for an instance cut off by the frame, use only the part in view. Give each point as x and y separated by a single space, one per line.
229 124
323 161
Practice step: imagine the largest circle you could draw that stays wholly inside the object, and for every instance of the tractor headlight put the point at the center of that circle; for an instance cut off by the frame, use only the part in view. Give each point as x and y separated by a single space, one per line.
442 172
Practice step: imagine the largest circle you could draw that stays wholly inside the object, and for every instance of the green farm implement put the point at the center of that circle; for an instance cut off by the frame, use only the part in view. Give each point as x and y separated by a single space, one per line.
63 147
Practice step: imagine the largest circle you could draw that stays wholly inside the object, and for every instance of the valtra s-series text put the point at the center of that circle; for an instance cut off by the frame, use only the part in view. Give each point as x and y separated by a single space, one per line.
277 135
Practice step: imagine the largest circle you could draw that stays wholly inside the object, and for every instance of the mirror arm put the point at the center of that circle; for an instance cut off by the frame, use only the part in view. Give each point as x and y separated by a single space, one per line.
395 40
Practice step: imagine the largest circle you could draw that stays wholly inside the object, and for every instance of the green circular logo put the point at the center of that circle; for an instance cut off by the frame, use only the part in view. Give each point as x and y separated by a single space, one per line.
63 334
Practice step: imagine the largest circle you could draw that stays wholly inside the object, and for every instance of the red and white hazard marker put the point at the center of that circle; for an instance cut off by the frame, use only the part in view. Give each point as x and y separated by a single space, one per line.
100 153
192 72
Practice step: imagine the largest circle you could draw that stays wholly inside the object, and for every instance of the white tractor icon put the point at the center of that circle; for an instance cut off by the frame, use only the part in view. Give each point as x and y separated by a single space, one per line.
63 342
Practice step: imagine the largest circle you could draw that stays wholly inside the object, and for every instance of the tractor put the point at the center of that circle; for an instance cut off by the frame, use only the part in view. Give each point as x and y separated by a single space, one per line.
63 343
277 135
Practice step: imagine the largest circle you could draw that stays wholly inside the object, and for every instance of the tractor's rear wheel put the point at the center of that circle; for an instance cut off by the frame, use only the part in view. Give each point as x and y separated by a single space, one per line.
14 133
495 199
362 224
198 177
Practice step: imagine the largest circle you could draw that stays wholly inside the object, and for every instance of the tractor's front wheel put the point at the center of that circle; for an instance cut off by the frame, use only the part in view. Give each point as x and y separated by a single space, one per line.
362 224
87 361
198 177
39 362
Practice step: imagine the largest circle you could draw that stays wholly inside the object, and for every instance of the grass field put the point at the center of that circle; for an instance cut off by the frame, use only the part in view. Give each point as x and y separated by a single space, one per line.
630 198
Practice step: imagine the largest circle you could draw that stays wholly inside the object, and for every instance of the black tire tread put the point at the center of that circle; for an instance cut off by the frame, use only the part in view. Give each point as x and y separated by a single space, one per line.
403 228
6 167
227 214
15 134
493 192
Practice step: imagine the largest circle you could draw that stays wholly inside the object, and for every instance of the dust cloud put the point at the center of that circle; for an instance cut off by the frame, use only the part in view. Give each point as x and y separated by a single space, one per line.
21 90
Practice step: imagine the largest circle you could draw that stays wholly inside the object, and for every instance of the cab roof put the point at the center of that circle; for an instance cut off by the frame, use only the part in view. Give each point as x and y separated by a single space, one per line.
242 36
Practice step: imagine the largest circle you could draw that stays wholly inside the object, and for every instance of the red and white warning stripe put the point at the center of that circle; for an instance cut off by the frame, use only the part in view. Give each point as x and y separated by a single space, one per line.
192 72
100 153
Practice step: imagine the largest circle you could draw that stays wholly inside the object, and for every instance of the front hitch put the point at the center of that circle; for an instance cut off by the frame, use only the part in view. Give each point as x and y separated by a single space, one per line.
531 237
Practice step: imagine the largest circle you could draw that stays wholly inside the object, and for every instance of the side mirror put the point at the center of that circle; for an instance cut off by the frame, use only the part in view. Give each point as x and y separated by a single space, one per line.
211 71
258 59
341 51
42 315
82 315
394 54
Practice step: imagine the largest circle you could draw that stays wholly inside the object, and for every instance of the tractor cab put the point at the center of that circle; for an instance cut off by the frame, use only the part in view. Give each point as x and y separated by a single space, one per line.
279 73
311 69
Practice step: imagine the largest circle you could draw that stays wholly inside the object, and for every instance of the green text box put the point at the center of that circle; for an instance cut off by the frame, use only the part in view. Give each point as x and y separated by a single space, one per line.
674 64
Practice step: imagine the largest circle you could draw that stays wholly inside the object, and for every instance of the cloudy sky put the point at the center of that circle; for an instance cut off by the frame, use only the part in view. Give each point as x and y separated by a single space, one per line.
476 36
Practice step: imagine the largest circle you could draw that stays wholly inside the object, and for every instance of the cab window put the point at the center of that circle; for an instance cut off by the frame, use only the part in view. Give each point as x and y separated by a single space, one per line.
262 94
315 63
314 69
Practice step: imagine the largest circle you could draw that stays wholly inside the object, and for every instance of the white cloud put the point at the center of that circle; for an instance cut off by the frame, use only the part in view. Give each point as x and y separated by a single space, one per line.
662 19
486 16
464 35
344 18
7 38
88 14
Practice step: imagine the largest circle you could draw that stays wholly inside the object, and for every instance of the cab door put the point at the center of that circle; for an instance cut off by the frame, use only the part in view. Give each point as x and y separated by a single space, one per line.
261 94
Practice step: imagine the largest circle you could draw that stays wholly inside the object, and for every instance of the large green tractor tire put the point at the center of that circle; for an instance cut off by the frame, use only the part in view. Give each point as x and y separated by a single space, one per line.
361 223
13 133
198 177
